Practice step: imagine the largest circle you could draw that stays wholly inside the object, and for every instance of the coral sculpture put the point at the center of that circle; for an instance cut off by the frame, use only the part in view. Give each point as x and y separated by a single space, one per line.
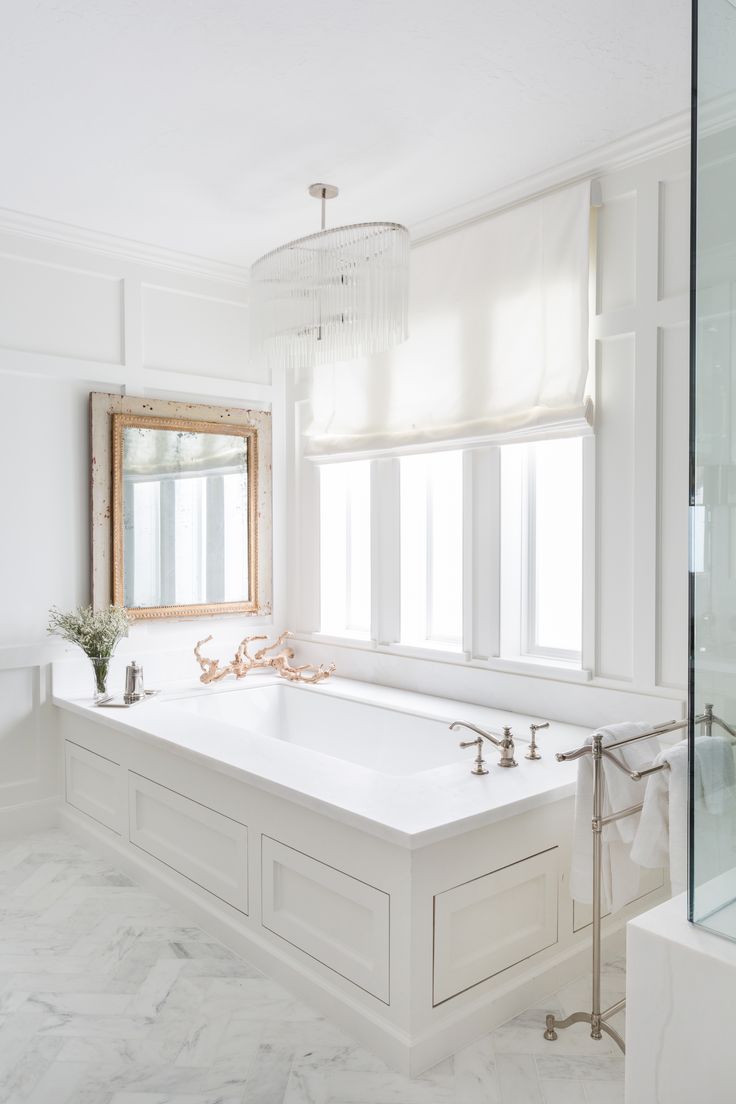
243 662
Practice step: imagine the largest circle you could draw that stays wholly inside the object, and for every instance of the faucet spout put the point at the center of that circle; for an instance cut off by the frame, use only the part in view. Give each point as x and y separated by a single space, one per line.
505 744
479 731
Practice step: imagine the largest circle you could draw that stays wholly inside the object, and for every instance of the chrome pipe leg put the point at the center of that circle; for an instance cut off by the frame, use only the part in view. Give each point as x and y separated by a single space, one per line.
597 826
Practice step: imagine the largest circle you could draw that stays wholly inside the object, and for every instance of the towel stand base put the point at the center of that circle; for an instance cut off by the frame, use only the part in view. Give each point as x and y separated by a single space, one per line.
597 1024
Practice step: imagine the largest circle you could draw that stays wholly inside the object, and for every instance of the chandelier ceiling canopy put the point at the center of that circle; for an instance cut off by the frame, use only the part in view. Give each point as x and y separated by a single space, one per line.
335 295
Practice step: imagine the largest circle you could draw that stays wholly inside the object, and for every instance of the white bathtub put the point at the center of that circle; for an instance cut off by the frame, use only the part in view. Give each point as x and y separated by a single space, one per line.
336 836
380 738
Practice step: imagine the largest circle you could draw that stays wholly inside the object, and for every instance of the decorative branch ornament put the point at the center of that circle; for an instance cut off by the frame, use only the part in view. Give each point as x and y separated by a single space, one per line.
243 662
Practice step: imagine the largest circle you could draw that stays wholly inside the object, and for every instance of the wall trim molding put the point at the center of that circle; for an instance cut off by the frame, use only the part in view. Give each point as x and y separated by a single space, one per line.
653 141
666 135
128 249
30 816
660 138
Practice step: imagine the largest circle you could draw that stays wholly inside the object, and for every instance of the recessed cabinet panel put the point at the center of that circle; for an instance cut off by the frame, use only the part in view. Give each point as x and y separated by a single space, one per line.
337 919
208 848
94 786
491 923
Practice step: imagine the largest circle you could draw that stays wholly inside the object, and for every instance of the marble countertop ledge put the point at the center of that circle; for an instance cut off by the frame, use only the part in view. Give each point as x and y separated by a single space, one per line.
411 810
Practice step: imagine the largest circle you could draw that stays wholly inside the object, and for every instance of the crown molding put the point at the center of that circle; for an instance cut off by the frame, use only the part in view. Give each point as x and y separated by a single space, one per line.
127 249
663 137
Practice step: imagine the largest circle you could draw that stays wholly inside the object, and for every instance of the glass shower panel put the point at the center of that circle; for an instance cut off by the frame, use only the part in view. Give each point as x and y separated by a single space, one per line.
712 890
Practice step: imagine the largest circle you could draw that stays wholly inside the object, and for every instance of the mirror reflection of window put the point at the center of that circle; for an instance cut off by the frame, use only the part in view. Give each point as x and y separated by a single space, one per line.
185 517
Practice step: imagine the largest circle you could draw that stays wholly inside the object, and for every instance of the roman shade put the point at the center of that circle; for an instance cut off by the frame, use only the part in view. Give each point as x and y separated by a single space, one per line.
498 339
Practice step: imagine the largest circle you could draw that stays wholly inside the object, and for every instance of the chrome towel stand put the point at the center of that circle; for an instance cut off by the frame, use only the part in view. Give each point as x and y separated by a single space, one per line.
597 1018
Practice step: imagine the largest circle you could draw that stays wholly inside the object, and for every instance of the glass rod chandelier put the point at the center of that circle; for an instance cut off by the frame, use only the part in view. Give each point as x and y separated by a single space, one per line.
336 295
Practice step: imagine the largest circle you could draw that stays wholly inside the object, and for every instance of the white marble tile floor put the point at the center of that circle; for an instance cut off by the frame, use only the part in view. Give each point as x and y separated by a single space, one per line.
108 996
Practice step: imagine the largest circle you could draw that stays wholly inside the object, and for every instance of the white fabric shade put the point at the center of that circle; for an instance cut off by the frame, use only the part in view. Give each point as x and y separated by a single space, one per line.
498 324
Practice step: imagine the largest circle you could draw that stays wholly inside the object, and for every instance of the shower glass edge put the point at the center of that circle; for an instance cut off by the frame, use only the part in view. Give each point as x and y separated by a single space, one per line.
712 567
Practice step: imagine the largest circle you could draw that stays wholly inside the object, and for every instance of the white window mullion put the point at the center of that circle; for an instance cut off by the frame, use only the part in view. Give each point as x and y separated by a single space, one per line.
511 546
307 508
427 628
529 551
349 604
481 552
385 551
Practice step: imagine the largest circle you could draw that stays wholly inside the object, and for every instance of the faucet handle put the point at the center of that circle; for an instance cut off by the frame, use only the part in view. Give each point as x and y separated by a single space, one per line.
479 765
534 752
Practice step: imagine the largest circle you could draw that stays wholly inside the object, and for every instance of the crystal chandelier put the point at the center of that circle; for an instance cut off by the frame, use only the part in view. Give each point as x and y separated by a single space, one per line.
336 295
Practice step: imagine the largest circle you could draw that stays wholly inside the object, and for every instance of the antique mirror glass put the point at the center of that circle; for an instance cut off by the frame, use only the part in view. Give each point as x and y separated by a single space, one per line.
181 507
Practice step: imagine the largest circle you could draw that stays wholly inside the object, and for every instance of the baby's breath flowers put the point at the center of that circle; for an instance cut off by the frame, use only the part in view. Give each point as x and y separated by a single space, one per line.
96 632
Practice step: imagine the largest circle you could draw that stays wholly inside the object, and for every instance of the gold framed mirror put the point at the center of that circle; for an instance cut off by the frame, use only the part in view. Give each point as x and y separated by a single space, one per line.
181 508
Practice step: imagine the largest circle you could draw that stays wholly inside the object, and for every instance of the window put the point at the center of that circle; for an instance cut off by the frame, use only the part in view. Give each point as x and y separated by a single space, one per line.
345 549
432 549
555 548
541 550
475 552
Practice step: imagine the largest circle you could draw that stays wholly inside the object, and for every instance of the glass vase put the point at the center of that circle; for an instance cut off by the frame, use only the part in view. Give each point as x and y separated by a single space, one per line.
101 669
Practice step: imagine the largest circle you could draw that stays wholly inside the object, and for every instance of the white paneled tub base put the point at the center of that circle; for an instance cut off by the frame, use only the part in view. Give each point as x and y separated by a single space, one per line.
415 928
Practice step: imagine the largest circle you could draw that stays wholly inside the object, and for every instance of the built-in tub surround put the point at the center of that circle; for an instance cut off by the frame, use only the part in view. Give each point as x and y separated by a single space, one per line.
336 835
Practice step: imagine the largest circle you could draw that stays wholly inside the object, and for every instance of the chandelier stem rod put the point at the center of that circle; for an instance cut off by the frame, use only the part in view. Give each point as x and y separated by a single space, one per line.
324 208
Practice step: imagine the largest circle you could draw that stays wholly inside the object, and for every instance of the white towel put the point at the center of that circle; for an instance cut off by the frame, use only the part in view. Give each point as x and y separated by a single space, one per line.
661 837
620 881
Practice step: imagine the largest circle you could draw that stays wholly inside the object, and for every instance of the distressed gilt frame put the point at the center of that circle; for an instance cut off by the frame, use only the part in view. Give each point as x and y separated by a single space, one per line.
109 416
250 435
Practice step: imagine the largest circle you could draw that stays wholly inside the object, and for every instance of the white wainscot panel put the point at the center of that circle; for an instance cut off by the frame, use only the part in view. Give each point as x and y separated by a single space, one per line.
337 919
19 735
674 236
614 498
617 253
94 786
61 311
673 478
489 924
193 334
206 847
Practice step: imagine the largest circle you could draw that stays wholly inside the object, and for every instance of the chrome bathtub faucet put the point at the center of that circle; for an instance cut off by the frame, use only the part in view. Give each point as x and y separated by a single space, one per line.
505 746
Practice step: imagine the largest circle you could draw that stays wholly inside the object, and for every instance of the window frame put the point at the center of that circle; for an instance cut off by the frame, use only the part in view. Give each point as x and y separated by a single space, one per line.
485 635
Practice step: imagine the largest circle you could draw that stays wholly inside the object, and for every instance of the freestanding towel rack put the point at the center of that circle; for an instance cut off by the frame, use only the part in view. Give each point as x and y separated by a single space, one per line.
597 1017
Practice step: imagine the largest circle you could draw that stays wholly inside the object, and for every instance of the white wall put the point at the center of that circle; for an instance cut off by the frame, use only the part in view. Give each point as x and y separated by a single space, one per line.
639 346
77 318
641 342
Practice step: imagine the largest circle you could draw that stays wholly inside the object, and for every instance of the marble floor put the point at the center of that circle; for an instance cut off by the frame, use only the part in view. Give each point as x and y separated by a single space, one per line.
109 996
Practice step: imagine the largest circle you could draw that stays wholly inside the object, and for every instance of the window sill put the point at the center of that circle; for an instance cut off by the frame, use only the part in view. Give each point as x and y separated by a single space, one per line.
521 665
543 667
358 640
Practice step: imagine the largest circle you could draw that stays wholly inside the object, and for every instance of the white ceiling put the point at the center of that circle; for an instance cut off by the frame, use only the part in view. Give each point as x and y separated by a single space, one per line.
198 124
